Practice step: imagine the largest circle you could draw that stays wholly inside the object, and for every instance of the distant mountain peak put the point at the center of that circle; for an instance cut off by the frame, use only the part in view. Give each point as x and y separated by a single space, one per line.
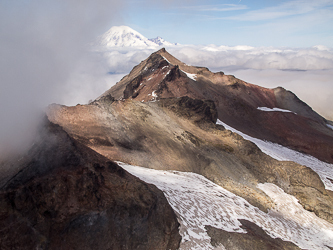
161 42
124 36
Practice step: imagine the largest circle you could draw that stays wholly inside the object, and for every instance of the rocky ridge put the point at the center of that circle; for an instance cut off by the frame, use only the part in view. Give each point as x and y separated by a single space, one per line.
237 102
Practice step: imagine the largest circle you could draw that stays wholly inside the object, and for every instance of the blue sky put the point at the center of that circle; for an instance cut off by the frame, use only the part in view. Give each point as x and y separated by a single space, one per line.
295 23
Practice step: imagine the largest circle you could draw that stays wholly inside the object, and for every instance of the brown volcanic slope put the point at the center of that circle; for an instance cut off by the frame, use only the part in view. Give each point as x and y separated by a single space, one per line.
181 134
163 76
66 196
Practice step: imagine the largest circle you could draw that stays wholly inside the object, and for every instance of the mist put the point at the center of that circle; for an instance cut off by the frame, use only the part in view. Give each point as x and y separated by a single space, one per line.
43 48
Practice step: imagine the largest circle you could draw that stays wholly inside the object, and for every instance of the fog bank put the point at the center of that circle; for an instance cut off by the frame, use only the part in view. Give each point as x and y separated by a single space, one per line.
42 44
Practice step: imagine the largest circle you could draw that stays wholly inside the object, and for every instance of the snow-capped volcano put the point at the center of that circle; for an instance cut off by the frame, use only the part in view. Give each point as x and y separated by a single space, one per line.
124 36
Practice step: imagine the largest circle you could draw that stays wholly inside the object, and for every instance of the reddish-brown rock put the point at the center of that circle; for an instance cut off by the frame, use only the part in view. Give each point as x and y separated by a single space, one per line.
66 196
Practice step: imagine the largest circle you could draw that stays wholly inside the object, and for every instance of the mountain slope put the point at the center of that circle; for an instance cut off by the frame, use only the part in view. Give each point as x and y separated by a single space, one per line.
66 196
210 215
124 36
180 134
246 107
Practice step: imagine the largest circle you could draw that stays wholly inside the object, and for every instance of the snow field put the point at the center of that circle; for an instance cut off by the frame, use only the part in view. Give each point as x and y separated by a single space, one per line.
275 109
281 153
199 202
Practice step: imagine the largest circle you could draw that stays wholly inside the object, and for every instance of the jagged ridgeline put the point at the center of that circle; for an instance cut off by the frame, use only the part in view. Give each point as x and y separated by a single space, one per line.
237 102
201 186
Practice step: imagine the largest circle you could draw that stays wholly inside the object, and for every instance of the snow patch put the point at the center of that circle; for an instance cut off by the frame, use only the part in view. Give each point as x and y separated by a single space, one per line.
199 202
330 126
289 207
274 109
154 94
166 59
281 153
191 76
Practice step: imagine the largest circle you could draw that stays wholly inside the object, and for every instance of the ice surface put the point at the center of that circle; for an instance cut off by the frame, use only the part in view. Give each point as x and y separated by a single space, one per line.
274 109
199 202
278 152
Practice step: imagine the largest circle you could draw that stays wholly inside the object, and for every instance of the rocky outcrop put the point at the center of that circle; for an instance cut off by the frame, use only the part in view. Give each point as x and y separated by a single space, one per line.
255 239
105 101
66 196
193 109
131 87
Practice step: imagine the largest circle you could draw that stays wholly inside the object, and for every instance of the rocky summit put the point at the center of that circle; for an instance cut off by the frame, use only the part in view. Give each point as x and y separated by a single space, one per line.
241 105
174 157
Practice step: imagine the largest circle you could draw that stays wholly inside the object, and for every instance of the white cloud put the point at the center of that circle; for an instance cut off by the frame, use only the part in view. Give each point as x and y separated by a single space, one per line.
216 57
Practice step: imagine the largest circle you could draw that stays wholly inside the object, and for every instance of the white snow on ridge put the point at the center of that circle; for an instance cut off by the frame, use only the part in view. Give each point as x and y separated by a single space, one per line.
274 109
191 76
166 59
199 202
330 126
281 153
